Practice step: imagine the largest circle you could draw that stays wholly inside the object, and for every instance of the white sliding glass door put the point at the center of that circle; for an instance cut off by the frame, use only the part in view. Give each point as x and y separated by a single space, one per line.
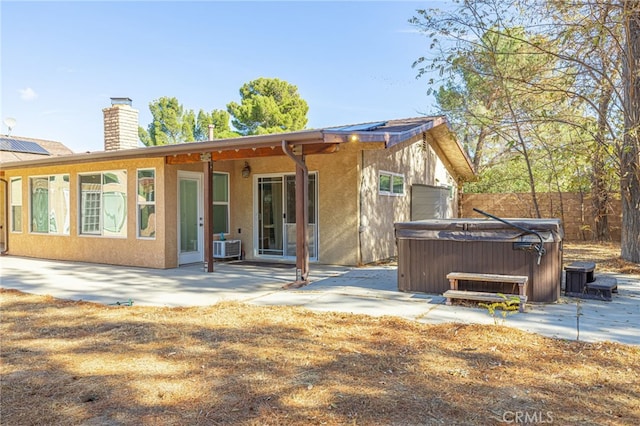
276 216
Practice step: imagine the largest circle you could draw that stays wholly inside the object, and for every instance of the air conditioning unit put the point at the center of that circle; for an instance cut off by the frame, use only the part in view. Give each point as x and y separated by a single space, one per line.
226 249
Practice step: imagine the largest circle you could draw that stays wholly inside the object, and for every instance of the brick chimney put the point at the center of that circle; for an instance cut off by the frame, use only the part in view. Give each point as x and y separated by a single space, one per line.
120 125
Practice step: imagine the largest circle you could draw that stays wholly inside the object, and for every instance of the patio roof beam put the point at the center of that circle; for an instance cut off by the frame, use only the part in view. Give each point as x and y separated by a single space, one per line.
245 153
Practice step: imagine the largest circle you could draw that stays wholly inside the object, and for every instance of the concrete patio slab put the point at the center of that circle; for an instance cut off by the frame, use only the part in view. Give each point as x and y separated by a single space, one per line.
370 291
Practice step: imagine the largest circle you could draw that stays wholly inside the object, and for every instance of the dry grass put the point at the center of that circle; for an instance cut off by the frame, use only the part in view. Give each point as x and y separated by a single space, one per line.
66 363
606 256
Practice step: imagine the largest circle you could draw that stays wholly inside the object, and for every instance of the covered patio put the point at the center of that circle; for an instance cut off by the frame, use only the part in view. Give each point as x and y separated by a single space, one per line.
295 146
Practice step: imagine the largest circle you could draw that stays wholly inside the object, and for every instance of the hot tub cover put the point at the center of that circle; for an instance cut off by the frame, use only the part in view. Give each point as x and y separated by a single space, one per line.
475 229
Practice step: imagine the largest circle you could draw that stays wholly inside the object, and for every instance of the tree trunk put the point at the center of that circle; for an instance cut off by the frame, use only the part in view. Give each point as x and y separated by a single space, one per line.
479 151
599 189
630 154
525 153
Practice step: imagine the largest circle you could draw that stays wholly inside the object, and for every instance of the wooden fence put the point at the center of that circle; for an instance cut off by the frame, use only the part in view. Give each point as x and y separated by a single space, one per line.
574 209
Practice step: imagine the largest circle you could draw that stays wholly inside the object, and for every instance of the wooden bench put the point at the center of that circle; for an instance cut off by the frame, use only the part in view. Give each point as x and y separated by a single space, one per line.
455 293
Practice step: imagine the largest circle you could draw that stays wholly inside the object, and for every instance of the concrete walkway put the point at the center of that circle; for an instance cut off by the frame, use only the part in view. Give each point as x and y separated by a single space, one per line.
370 291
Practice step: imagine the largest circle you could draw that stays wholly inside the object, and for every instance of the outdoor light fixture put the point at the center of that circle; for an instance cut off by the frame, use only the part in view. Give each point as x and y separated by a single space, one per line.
246 170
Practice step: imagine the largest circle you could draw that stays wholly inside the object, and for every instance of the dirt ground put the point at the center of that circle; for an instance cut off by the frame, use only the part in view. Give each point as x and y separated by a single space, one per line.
68 363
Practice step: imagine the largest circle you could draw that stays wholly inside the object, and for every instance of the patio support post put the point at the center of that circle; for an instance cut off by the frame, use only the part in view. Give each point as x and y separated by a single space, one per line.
208 206
302 219
302 213
208 214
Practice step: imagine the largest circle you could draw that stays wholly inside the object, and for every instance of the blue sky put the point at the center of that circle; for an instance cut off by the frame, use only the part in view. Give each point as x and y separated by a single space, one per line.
62 61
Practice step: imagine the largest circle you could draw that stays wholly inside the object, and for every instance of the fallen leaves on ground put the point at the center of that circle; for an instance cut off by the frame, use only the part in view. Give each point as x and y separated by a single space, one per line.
605 255
80 363
66 363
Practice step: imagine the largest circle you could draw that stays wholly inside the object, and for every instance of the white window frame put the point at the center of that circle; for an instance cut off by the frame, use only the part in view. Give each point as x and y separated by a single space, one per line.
63 232
142 202
391 176
81 209
224 203
81 215
15 203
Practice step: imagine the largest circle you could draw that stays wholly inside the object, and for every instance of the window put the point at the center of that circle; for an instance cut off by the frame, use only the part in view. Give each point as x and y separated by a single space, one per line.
220 203
391 184
103 204
49 201
16 205
147 203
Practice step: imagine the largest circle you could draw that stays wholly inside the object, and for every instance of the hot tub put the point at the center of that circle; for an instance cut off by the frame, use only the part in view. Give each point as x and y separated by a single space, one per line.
429 249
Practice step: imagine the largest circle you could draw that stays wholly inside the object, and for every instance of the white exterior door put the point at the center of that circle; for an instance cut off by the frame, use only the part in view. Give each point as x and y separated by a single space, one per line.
190 218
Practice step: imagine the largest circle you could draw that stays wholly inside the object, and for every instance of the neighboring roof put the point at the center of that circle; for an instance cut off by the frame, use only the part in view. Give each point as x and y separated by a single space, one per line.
20 148
17 145
390 132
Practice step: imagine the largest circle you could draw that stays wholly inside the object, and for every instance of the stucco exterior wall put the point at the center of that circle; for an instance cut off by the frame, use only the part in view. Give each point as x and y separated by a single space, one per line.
337 201
241 201
91 248
355 221
419 164
339 211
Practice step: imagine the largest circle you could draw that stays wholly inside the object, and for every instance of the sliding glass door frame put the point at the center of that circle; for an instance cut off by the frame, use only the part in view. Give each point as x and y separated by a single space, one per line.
274 228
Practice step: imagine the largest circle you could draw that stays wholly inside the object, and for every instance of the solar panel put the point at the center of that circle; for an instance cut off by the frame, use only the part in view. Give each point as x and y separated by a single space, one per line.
16 145
362 127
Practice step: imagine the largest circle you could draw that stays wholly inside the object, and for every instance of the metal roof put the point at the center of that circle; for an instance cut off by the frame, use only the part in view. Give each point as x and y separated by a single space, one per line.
365 127
391 132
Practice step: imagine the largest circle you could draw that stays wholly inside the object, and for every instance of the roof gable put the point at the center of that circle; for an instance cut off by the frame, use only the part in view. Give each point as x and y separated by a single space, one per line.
435 130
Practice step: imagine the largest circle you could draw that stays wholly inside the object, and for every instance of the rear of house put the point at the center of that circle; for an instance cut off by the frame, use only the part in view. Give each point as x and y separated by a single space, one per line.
19 148
148 206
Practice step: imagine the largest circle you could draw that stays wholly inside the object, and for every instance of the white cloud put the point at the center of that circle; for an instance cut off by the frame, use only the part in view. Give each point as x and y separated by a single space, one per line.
28 94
